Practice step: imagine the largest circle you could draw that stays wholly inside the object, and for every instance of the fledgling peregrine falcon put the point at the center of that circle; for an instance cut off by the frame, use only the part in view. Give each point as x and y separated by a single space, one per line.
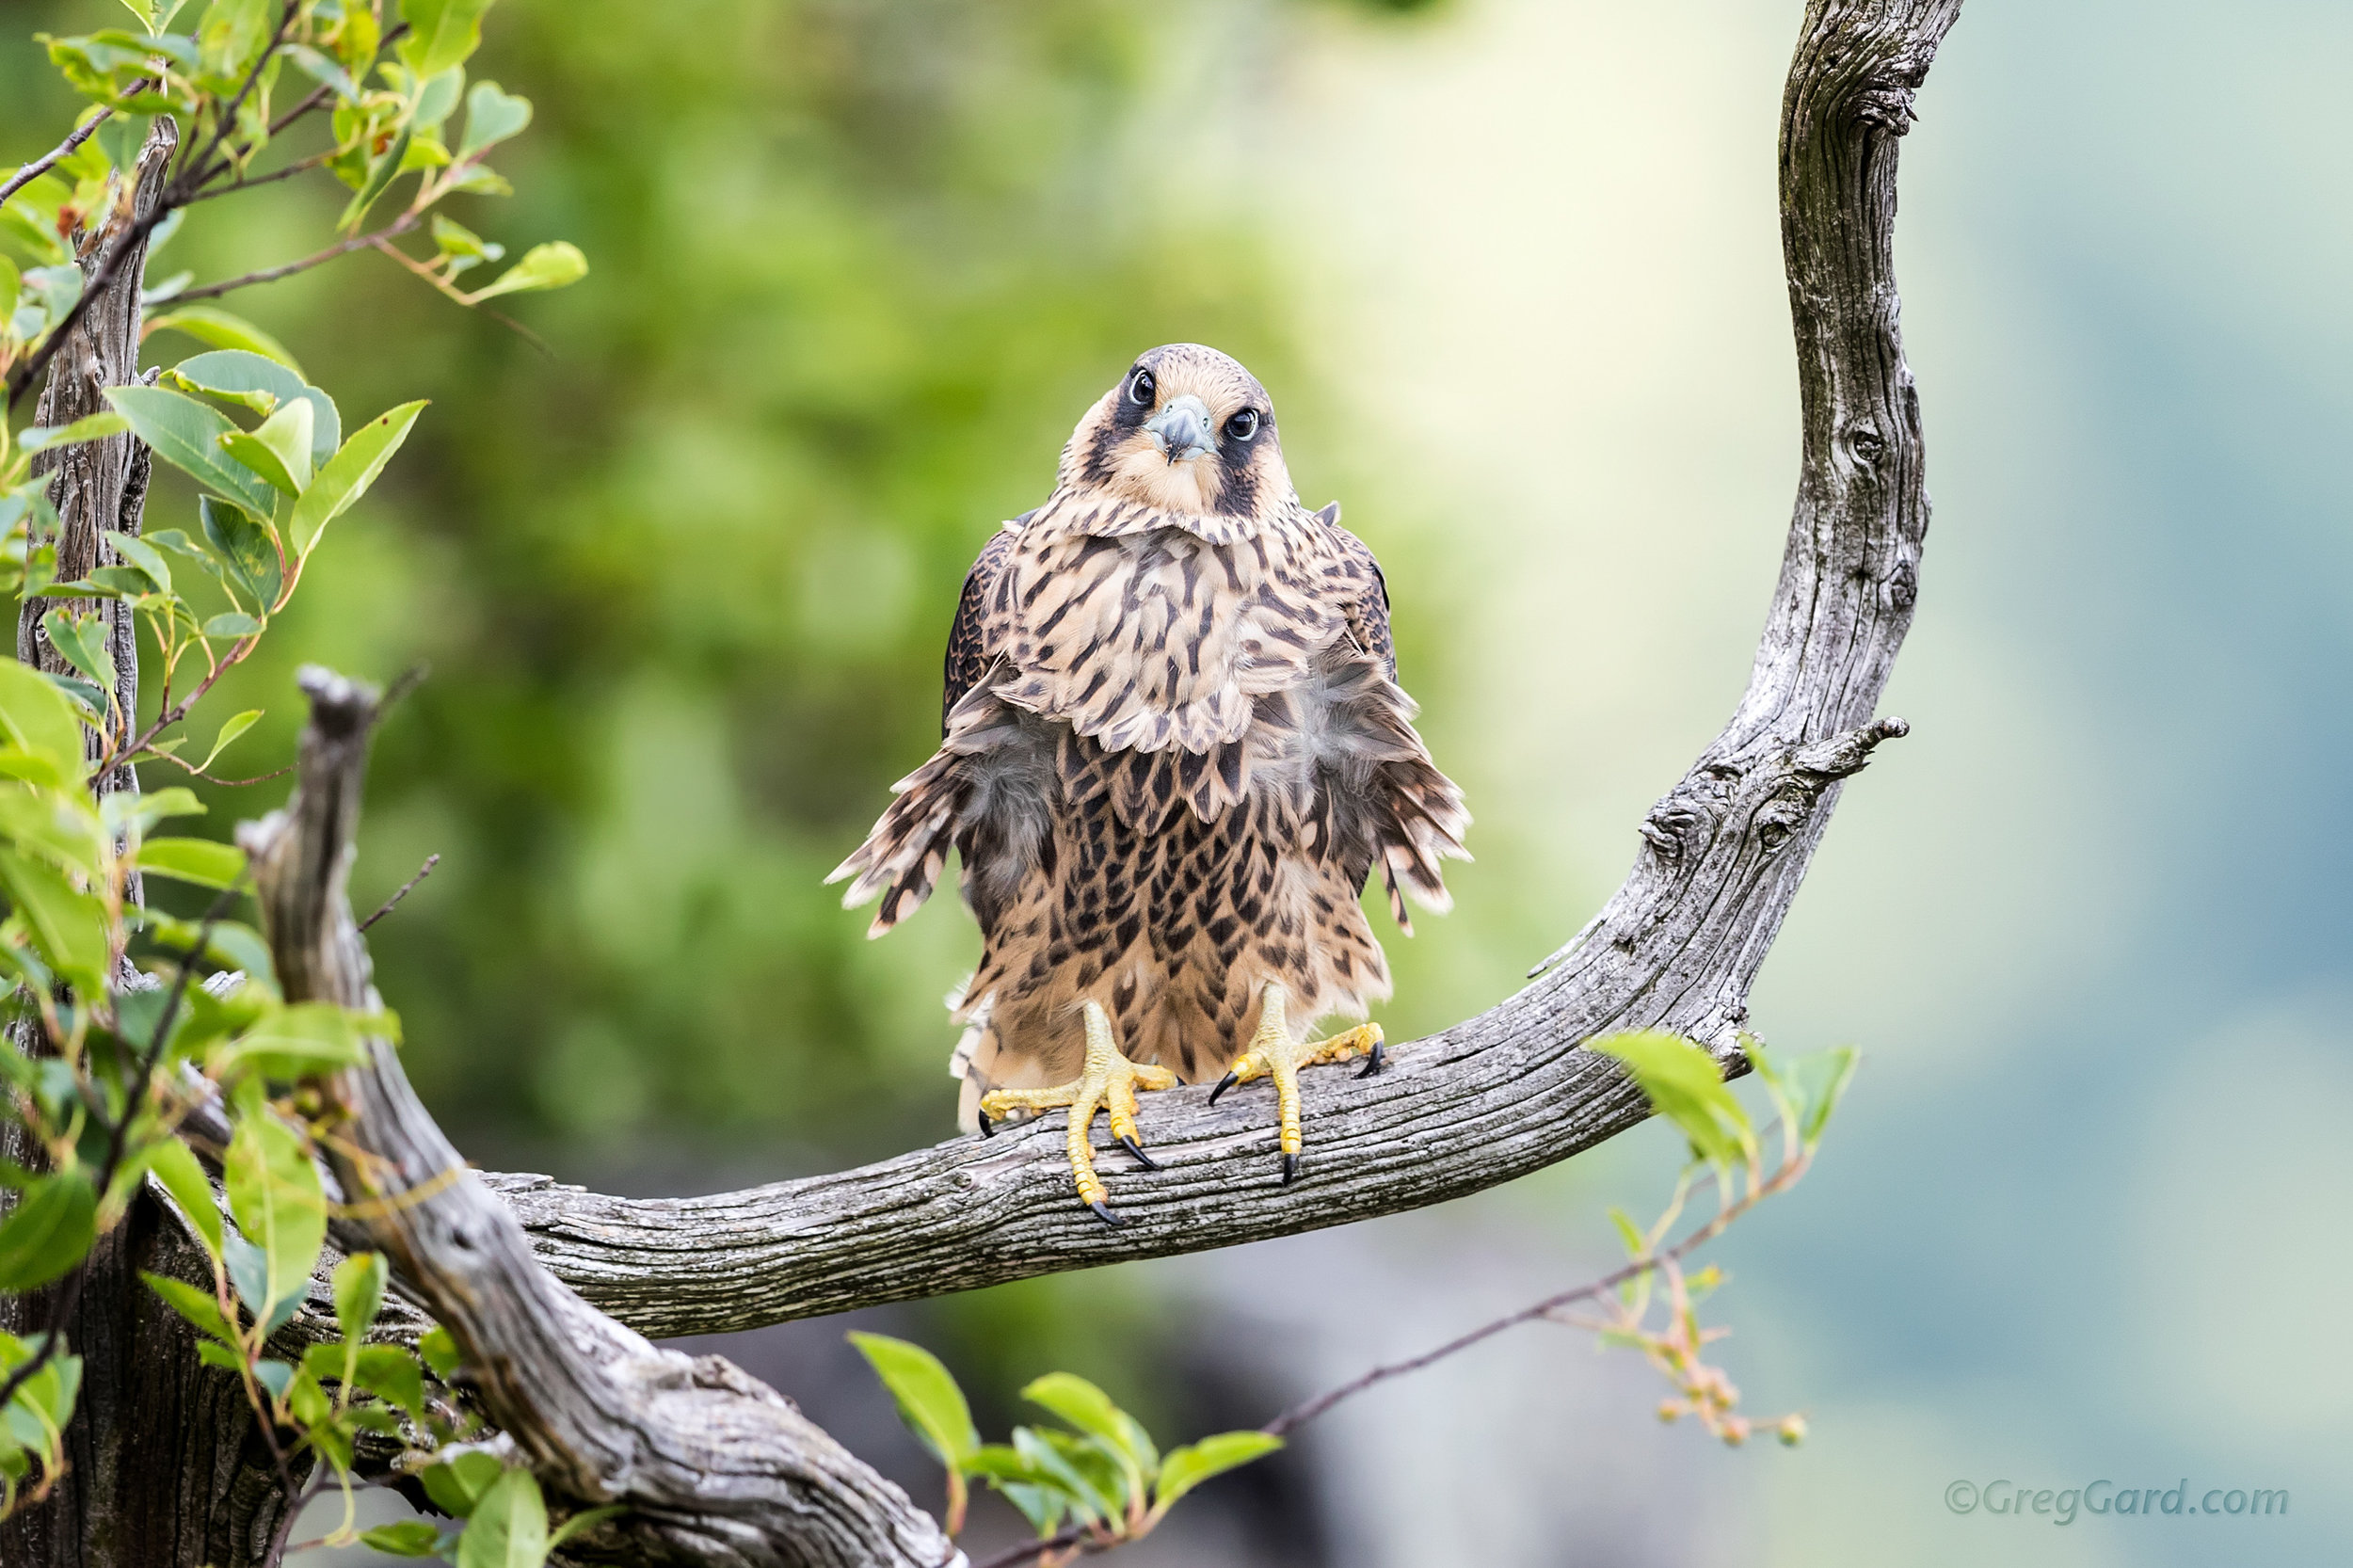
1175 749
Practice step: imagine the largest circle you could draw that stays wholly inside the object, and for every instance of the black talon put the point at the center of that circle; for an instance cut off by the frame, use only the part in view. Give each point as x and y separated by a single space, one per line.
1290 1168
1137 1149
1372 1062
989 1128
1103 1213
1222 1084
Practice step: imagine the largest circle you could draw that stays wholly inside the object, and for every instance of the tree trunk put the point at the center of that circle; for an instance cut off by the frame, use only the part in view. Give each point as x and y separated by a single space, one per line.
161 1457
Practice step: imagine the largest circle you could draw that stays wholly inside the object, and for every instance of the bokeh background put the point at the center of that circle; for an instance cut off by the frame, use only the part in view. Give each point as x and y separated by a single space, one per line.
682 555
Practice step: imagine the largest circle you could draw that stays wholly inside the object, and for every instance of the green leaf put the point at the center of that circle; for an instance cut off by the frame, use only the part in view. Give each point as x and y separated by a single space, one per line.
244 545
382 171
492 115
279 449
206 862
586 1519
49 1231
91 428
175 1166
359 1282
346 478
214 1353
509 1527
88 698
275 1375
44 1403
1189 1467
123 812
68 925
144 556
196 1305
83 641
231 33
187 434
554 265
223 329
1631 1234
440 1353
275 1193
1088 1408
55 290
408 1537
326 70
237 724
1077 1465
232 946
1821 1078
464 248
266 385
479 180
39 719
391 1374
57 826
232 623
929 1400
124 135
458 1483
1685 1085
442 33
437 100
302 1041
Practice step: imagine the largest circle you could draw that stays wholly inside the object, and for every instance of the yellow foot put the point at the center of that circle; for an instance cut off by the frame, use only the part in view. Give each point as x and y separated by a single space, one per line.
1274 1054
1108 1082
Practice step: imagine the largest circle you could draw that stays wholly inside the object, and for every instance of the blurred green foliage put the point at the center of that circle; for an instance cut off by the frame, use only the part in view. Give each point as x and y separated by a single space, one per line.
681 544
683 572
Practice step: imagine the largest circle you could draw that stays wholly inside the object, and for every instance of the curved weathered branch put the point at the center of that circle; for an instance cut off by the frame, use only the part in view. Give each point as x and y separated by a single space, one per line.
714 1467
1509 1091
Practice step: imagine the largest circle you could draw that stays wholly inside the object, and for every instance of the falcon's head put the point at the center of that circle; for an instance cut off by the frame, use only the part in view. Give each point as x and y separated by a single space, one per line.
1187 431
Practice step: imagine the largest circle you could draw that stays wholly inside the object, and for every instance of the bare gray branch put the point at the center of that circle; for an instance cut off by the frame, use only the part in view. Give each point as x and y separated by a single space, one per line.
1508 1092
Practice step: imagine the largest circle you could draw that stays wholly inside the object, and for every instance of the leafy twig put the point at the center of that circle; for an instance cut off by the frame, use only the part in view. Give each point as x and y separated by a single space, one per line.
56 155
193 171
302 166
404 224
70 1293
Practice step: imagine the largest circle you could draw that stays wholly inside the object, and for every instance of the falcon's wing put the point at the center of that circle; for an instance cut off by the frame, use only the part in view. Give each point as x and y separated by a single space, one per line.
972 641
1415 814
903 857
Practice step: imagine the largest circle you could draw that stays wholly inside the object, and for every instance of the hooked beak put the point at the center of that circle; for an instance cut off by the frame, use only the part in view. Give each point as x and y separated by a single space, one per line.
1181 429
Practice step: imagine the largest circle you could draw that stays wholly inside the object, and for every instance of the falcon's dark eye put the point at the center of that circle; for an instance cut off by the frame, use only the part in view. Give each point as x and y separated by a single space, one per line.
1143 389
1242 425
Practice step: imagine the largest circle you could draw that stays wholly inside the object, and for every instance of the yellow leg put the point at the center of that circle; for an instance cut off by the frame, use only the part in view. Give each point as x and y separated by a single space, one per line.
1108 1081
1274 1054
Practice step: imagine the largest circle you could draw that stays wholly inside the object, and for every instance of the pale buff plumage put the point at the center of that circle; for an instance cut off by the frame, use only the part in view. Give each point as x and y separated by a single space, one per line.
1175 749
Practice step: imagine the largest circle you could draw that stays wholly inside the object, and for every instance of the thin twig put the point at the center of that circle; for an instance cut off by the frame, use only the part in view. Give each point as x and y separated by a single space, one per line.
422 871
310 1488
1299 1415
1087 1539
63 150
300 167
407 222
193 172
319 94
